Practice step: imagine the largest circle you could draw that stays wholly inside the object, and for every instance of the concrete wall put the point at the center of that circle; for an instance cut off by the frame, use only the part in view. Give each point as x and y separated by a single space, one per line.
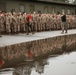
38 6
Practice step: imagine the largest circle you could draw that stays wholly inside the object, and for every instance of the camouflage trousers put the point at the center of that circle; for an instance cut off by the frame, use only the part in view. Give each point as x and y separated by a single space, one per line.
0 29
64 27
28 25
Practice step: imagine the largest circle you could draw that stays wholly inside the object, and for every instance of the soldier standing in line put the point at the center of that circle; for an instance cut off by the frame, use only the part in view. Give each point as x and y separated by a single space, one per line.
19 22
68 20
50 21
75 21
24 20
34 21
23 23
39 22
0 23
43 22
72 22
33 24
59 22
53 20
56 22
3 20
14 23
11 23
25 16
8 30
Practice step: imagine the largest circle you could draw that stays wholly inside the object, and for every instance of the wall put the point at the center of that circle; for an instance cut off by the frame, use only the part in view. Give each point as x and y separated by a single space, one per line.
38 6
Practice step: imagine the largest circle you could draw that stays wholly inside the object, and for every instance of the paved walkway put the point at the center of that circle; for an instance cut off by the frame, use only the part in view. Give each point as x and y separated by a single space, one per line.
19 38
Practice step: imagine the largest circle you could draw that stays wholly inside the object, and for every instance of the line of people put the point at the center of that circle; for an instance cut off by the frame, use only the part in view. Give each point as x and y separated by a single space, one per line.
25 23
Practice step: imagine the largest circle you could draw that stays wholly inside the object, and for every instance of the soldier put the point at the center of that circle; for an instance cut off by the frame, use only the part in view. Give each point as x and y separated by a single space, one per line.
53 22
11 24
14 23
0 23
43 21
75 21
3 20
59 22
34 21
39 22
18 22
68 21
50 21
8 23
71 21
25 17
23 23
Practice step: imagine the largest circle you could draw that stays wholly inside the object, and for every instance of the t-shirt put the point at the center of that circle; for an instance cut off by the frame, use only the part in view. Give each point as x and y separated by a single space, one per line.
29 17
63 18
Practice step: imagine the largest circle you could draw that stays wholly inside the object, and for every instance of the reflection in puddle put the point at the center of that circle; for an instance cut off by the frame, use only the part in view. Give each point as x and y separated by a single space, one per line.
7 71
52 56
64 64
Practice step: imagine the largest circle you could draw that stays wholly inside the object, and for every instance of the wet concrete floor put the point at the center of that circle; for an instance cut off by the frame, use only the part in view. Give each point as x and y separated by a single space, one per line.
53 55
7 40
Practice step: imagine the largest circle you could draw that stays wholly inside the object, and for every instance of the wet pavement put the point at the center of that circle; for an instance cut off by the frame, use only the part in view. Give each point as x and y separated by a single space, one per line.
43 53
19 52
6 40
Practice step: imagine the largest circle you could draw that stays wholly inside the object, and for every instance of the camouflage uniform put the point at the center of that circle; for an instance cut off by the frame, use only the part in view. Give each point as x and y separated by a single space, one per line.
18 22
38 22
72 22
50 22
14 23
68 21
35 21
8 22
75 21
0 24
22 23
59 22
3 20
25 21
44 23
64 25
